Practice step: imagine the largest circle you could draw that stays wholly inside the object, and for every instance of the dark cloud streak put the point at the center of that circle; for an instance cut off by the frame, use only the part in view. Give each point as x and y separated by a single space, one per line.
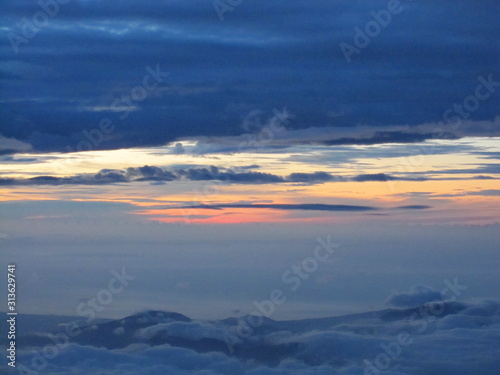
152 173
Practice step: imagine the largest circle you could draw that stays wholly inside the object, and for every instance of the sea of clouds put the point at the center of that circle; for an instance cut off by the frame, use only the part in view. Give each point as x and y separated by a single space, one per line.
419 334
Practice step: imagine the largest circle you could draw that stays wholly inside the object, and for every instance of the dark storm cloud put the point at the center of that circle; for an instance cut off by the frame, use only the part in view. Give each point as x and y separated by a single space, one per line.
300 207
214 173
148 173
414 207
384 177
313 177
374 177
75 70
291 207
157 174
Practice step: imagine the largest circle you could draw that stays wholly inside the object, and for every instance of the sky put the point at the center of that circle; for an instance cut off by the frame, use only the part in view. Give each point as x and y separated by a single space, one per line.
206 148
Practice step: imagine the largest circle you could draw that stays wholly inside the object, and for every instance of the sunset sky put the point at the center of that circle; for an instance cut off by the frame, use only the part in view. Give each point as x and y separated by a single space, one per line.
207 151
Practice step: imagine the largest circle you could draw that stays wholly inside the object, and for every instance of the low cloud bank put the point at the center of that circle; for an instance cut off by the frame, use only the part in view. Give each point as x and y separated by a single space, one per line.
459 337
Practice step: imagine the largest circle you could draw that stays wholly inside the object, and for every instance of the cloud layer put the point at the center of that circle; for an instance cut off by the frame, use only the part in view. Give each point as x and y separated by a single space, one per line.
157 174
85 69
393 341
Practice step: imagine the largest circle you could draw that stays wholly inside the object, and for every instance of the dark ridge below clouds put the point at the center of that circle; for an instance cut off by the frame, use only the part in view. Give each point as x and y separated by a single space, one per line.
264 55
